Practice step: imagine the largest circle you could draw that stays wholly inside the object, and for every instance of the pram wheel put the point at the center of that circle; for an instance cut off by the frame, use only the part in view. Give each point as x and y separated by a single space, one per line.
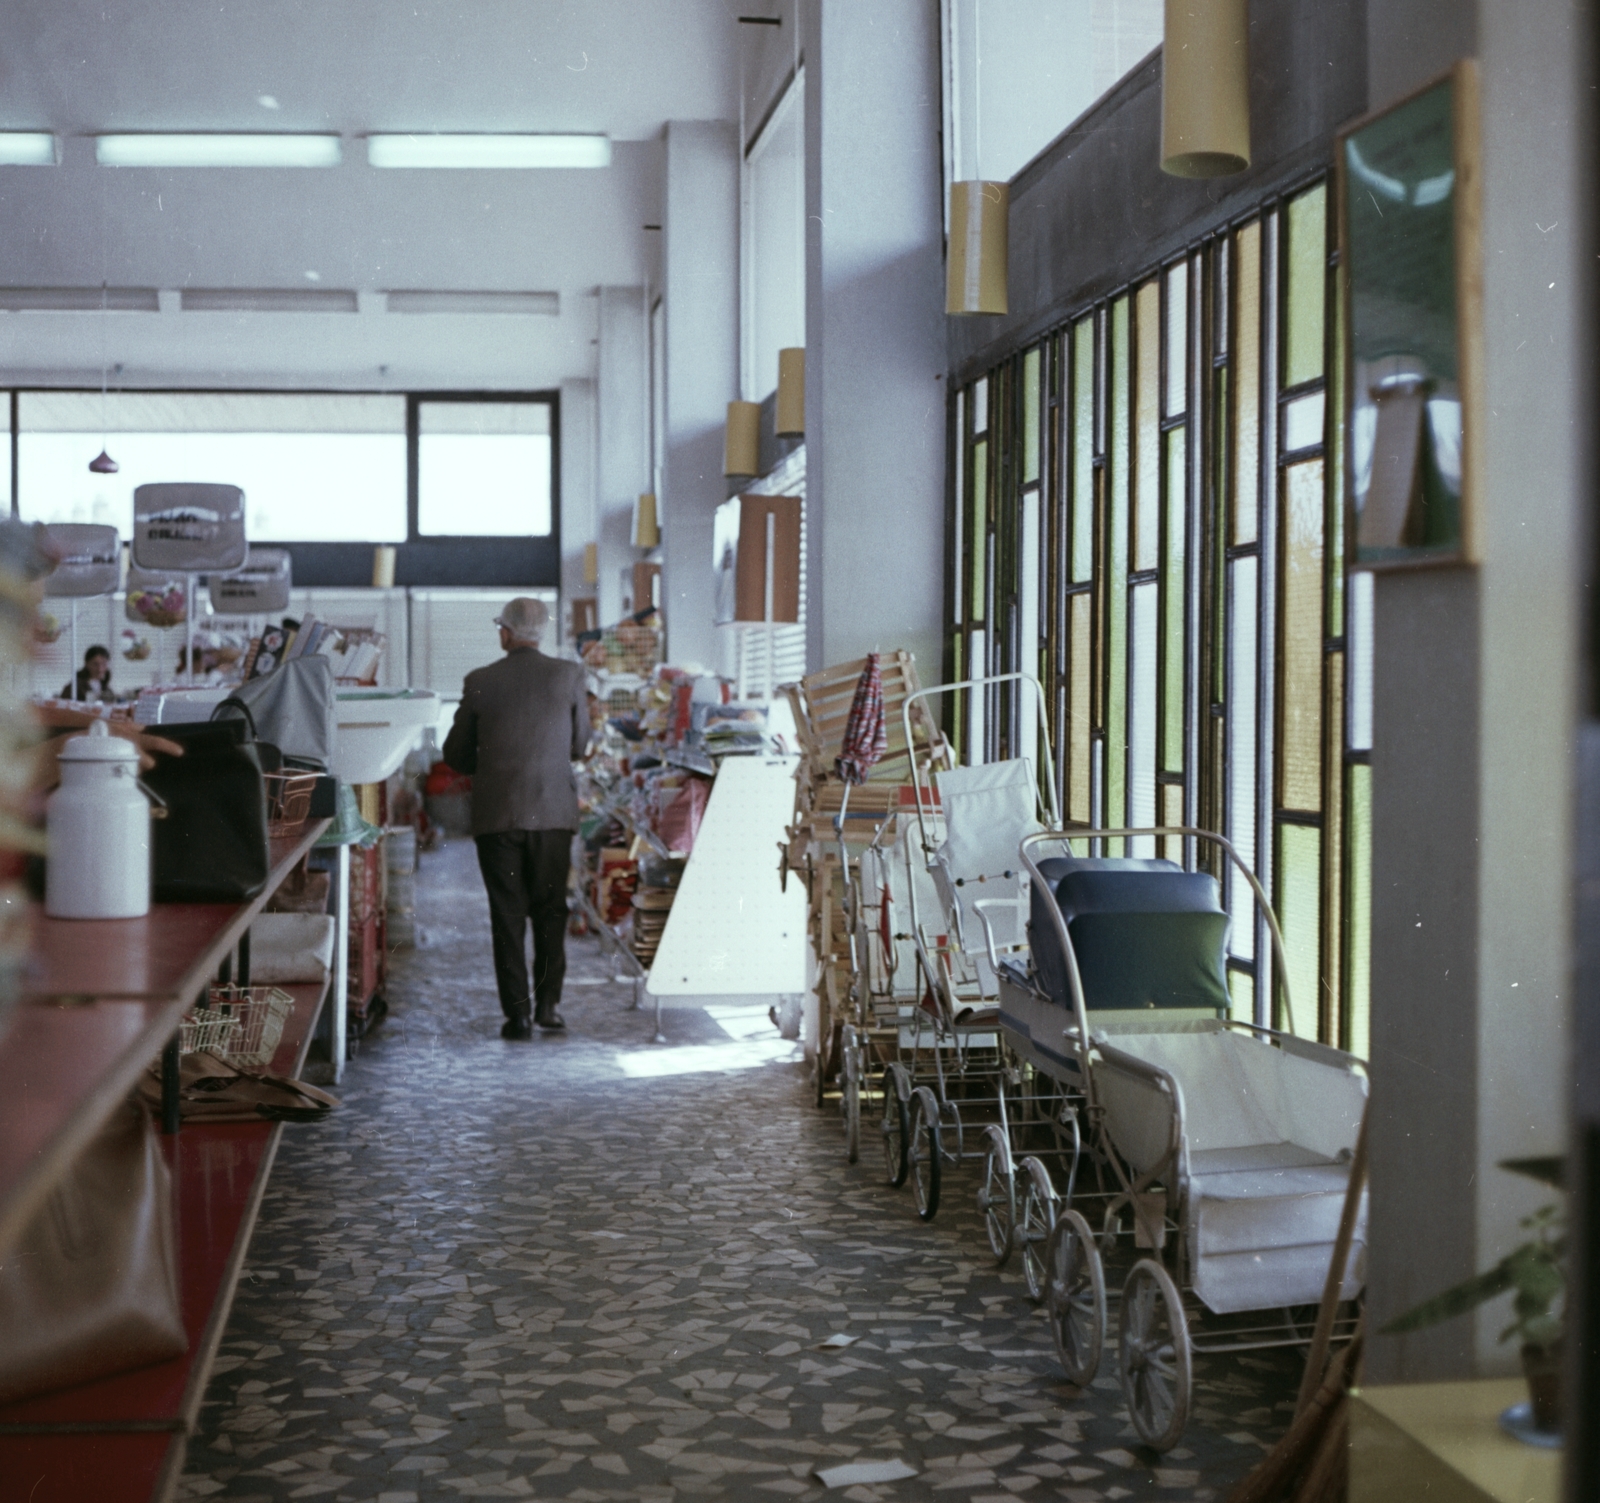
896 1128
925 1152
1157 1367
850 1094
1075 1296
1035 1223
997 1195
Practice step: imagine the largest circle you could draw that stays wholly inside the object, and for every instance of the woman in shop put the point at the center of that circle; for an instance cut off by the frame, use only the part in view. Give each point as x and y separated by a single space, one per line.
92 682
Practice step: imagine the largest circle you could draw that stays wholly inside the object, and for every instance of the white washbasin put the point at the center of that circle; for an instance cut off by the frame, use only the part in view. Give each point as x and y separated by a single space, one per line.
376 728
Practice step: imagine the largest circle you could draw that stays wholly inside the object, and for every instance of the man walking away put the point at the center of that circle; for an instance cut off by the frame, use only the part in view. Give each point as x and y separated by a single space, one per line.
521 724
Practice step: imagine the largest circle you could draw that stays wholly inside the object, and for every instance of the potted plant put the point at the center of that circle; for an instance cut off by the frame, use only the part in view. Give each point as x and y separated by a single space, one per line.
1535 1272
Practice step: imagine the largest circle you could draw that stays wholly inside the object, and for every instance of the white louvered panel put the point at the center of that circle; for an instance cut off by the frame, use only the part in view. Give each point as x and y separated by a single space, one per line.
452 632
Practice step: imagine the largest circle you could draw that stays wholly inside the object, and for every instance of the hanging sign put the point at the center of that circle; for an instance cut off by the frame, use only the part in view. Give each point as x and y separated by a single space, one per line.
260 588
90 559
190 528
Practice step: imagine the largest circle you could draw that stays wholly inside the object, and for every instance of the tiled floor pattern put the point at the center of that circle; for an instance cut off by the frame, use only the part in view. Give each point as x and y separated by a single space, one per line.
592 1268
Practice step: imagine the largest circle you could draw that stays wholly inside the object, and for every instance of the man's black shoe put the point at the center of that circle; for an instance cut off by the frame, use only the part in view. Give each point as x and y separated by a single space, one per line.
548 1018
517 1028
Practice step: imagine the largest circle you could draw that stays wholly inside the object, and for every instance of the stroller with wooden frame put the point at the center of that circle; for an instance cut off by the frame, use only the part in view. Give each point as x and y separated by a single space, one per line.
951 1069
1221 1149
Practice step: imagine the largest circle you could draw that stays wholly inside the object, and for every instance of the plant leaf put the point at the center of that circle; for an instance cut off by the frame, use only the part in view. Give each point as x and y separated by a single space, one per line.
1453 1302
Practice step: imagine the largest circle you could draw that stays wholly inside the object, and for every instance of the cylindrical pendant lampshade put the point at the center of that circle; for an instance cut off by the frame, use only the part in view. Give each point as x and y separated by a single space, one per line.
646 526
1205 88
591 563
741 453
383 557
792 393
979 243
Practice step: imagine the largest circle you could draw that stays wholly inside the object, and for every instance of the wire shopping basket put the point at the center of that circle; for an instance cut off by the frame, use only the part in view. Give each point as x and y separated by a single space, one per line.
241 1024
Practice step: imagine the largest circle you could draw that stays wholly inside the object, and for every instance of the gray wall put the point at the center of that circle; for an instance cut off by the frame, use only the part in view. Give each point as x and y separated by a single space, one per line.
577 493
623 460
701 286
875 339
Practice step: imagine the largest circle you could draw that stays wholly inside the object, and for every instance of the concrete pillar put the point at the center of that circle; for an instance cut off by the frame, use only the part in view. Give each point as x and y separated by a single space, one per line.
577 495
623 459
1474 718
875 331
700 278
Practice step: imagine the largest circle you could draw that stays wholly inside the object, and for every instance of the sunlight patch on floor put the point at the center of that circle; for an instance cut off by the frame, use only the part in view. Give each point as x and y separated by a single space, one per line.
752 1042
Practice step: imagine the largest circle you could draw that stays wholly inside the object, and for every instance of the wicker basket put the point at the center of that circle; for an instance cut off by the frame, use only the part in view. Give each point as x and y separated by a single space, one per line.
257 1015
288 800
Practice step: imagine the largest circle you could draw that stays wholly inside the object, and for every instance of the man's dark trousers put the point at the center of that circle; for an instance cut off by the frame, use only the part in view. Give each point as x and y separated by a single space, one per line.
525 874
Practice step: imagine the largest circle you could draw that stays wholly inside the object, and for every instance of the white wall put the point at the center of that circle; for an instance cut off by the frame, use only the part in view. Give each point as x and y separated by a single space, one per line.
772 238
579 511
624 463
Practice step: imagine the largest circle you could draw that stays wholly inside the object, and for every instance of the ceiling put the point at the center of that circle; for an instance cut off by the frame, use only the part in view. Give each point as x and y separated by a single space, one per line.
622 67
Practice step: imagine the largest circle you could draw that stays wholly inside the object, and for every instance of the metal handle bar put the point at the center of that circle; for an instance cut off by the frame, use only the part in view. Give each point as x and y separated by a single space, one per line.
1043 736
1279 967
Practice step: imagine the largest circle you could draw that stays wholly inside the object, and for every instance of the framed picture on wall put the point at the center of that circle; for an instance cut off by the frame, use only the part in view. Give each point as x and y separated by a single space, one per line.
1411 302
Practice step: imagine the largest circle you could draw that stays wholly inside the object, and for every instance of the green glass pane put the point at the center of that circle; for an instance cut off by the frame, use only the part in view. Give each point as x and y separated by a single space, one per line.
1030 417
1300 916
1333 958
1082 450
1300 670
958 541
1242 988
1117 456
1147 428
1174 604
958 658
1247 384
1219 532
1358 977
1336 440
1308 280
980 527
1080 705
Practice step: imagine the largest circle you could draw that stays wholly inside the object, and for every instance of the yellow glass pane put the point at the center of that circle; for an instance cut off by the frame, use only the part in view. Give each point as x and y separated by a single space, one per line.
1178 339
1330 1029
1358 921
1242 988
1336 442
1171 846
1082 450
1301 667
1217 563
1308 280
1079 713
980 527
1116 727
1300 916
1147 428
1174 605
958 657
1030 416
1247 382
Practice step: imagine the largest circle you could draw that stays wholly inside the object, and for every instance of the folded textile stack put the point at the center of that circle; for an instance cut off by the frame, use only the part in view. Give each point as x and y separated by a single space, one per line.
651 905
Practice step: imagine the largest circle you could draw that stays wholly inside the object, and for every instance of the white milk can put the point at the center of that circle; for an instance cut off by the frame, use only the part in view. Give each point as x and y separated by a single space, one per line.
98 823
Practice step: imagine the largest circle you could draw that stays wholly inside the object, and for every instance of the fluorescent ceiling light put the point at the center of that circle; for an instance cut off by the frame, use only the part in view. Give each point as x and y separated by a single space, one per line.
80 299
27 148
489 151
203 150
420 300
267 300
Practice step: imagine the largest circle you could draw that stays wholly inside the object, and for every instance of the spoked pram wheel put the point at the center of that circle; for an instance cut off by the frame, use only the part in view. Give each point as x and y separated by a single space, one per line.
1157 1367
925 1149
1035 1222
896 1128
997 1195
1075 1297
850 1066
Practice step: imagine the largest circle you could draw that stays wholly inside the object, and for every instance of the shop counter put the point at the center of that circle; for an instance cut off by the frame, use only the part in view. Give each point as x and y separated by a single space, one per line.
70 1056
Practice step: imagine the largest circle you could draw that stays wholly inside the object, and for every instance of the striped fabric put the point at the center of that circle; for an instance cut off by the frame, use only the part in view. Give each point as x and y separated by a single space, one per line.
866 737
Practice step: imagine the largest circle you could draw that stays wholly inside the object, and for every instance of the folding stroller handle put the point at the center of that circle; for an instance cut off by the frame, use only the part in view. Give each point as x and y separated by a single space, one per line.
1279 963
1048 757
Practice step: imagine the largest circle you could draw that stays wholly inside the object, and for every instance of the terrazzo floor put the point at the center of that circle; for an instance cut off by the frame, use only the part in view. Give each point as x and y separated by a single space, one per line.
593 1268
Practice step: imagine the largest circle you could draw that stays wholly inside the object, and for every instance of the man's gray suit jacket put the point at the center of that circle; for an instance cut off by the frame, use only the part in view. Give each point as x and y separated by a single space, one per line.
521 724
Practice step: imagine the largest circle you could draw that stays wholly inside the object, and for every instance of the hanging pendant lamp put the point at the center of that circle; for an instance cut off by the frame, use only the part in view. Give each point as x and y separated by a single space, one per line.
591 563
741 454
792 393
646 525
1205 88
979 245
103 464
